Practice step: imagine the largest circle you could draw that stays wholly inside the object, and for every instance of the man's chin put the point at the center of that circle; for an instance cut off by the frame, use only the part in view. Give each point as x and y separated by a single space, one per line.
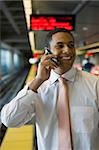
61 71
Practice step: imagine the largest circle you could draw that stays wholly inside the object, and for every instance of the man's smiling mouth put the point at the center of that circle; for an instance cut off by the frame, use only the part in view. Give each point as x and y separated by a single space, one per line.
65 57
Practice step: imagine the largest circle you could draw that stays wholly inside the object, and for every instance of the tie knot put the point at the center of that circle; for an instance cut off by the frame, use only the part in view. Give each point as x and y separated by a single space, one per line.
62 80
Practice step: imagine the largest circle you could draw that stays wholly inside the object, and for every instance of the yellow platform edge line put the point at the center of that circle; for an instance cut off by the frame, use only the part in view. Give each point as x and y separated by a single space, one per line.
20 138
31 74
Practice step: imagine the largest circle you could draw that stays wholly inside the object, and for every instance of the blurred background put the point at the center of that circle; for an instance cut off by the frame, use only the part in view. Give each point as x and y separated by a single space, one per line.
23 27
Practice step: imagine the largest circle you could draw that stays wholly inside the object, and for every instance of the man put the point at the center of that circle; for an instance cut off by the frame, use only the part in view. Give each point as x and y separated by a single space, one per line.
39 98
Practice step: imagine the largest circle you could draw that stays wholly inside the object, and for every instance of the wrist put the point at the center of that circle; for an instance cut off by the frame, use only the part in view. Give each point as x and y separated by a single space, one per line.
39 80
35 84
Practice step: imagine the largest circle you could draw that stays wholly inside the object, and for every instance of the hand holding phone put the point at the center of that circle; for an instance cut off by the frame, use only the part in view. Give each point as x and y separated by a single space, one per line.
55 60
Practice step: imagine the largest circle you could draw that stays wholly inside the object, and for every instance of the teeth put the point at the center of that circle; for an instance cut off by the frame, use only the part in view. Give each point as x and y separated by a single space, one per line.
66 58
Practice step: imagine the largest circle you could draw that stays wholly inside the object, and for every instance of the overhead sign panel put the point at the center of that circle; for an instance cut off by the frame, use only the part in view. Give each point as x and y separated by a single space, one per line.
49 22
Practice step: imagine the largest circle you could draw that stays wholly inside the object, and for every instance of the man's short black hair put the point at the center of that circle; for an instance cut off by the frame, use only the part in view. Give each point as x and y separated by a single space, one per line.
56 30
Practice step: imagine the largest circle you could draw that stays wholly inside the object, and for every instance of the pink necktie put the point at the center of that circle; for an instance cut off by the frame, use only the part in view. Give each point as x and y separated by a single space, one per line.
63 116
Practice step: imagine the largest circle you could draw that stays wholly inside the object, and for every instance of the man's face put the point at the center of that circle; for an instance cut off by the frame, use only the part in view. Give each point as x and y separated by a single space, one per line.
62 45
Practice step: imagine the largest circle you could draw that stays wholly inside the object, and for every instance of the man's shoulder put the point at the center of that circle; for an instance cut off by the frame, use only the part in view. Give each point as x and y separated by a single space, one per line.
87 76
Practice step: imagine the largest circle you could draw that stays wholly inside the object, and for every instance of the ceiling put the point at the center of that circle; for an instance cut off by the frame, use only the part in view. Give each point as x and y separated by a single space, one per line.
13 24
87 18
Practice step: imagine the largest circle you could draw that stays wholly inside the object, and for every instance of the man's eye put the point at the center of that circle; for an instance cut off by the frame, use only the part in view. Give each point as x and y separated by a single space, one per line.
61 46
71 45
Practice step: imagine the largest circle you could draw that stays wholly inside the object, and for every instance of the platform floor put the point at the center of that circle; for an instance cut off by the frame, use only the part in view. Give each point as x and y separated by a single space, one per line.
21 138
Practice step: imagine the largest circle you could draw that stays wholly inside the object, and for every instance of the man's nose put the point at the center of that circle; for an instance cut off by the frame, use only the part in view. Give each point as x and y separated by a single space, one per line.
65 49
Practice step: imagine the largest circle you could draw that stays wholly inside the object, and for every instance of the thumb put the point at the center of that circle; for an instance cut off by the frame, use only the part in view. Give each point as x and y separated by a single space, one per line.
49 69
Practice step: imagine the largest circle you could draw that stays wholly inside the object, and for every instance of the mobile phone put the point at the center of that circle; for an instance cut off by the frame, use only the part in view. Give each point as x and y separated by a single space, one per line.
55 60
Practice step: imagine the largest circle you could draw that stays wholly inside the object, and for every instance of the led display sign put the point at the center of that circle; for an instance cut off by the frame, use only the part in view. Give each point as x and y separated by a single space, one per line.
49 22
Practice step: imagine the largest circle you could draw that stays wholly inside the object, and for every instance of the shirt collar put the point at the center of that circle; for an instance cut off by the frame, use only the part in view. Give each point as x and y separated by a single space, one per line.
69 75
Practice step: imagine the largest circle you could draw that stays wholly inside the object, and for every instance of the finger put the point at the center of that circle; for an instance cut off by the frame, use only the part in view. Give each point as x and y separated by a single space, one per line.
49 69
46 66
45 57
52 60
49 63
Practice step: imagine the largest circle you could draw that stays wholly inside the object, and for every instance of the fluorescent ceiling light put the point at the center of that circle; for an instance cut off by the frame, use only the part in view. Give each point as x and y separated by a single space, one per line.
28 21
27 3
93 51
33 60
85 28
31 38
28 11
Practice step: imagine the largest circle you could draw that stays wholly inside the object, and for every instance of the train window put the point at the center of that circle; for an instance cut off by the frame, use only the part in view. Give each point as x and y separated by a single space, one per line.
16 60
6 61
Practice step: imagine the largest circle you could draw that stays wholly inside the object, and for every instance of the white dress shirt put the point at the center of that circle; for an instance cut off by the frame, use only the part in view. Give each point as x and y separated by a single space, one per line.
84 110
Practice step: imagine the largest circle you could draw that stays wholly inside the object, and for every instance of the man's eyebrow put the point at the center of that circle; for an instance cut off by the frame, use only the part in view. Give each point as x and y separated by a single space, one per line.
60 43
66 43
